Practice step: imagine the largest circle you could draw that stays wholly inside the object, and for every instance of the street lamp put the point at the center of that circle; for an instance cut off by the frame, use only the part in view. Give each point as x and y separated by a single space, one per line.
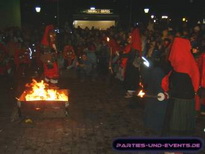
146 10
38 9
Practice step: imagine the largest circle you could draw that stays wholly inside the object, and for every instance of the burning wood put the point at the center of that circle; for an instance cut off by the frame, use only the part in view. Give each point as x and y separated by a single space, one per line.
41 91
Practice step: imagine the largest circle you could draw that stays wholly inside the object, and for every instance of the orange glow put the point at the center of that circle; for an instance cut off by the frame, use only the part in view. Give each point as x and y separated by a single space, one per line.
141 85
40 91
141 94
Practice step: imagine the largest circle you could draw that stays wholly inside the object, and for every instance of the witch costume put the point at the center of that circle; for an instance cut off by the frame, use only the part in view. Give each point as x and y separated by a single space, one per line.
132 70
182 83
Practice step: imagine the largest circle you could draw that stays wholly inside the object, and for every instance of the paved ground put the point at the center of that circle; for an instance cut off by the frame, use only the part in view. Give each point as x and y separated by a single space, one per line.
98 115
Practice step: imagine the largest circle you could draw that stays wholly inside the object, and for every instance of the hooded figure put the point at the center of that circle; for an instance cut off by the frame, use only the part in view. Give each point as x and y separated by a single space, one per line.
51 70
181 83
49 38
132 76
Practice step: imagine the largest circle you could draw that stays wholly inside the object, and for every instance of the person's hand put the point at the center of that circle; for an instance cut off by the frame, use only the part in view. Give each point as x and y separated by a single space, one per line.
162 96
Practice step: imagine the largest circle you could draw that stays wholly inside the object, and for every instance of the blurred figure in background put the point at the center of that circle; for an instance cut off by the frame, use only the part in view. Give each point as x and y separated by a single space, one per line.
69 55
132 74
84 67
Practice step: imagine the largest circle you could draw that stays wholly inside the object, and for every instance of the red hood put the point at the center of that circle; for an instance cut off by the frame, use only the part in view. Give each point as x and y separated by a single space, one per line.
45 40
183 61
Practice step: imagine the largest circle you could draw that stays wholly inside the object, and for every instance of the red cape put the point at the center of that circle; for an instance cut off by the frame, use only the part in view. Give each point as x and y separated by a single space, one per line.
183 61
201 63
136 40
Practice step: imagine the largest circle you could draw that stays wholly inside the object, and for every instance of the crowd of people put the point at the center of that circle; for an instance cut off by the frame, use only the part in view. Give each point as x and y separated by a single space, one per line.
157 59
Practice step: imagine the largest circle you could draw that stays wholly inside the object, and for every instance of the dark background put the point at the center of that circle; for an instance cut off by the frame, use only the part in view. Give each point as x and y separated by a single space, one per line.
128 10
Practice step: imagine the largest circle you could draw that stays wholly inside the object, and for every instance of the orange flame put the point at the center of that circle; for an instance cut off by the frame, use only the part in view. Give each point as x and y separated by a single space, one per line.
141 94
40 91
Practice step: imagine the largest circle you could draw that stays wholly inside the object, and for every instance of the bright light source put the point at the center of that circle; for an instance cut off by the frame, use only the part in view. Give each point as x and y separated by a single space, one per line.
146 62
57 30
146 10
38 9
183 19
152 16
199 22
164 17
203 21
155 21
92 8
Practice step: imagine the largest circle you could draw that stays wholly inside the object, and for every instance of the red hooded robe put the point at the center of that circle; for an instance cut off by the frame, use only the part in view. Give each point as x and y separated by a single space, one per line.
183 61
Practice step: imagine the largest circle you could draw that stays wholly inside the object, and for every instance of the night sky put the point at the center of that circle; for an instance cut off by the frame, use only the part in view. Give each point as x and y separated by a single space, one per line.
194 9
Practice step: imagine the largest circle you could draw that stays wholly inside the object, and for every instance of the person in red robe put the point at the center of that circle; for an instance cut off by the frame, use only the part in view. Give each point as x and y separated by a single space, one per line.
201 63
132 70
182 84
49 57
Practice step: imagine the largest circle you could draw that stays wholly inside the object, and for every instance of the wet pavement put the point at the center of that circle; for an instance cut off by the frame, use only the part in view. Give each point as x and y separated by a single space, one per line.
98 114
